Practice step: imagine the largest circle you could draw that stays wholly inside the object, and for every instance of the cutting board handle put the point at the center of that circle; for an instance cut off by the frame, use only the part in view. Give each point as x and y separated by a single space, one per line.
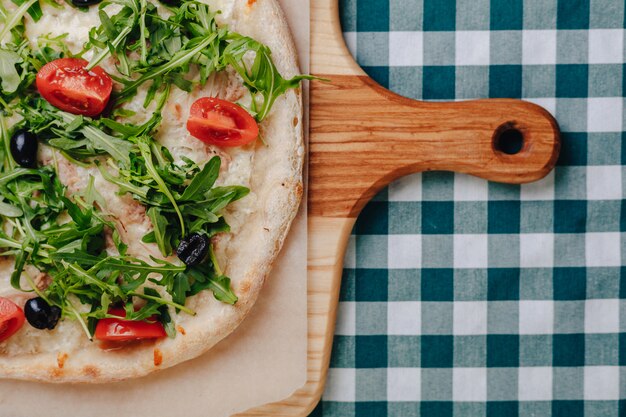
365 136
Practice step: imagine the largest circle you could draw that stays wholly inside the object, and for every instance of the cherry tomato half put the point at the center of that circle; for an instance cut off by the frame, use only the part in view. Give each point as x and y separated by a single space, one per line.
120 330
11 318
67 85
222 123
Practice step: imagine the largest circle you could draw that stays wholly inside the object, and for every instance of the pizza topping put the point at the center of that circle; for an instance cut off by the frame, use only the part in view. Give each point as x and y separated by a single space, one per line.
63 234
73 252
67 84
189 35
24 148
32 7
193 249
41 315
85 3
171 3
118 329
11 318
222 123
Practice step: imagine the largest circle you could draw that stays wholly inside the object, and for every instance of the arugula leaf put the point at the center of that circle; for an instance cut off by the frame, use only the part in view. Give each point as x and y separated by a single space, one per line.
203 181
9 210
199 212
20 261
263 78
117 148
179 59
81 219
119 245
222 290
220 197
146 153
34 11
8 73
167 322
78 257
16 17
159 223
124 187
112 45
79 136
180 288
15 174
152 295
219 285
91 195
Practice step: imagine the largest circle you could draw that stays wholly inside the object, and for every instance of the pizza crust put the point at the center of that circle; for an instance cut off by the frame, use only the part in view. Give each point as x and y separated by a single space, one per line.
247 254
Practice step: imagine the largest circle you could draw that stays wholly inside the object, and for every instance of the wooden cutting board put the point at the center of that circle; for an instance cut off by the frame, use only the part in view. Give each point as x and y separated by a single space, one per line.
362 137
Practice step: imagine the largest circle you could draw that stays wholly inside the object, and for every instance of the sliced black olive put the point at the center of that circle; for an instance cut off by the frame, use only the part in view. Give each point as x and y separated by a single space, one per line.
171 3
85 3
193 248
24 148
40 314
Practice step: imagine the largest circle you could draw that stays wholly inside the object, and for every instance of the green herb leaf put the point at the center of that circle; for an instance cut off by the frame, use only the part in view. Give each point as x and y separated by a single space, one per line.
16 17
20 261
179 59
159 223
180 288
167 322
221 289
203 181
146 153
91 194
8 72
117 148
34 10
263 78
9 210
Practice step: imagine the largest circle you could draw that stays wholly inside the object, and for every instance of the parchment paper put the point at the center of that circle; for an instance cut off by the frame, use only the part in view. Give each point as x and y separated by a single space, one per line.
263 361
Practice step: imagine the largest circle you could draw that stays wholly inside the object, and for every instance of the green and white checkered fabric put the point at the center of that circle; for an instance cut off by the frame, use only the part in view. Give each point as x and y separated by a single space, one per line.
468 298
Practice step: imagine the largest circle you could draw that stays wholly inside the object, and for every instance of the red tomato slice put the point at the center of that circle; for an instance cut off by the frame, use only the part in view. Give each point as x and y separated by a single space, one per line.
222 123
67 85
11 318
120 330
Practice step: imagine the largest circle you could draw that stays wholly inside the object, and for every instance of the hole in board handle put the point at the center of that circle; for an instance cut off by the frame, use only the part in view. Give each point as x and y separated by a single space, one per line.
508 139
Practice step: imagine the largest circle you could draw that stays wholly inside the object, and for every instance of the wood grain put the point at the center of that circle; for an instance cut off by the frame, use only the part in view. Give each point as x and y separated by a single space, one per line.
363 137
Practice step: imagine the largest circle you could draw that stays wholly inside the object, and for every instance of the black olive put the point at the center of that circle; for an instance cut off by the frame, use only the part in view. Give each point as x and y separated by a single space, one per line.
193 248
85 3
171 3
40 314
24 148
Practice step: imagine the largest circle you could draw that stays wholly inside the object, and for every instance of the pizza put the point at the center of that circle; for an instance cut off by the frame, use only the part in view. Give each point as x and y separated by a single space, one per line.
150 168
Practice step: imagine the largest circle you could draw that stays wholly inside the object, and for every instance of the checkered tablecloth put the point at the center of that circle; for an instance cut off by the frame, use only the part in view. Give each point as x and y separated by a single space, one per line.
468 298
